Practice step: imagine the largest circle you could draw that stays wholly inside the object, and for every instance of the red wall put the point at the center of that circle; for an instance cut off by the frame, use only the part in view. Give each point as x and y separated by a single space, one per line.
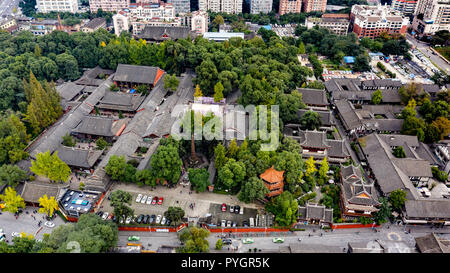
342 226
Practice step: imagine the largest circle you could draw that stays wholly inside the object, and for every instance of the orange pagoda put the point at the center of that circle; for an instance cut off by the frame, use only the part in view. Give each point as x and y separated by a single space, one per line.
273 180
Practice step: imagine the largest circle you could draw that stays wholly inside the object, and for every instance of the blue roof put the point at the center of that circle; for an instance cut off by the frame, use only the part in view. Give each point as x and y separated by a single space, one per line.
268 27
349 59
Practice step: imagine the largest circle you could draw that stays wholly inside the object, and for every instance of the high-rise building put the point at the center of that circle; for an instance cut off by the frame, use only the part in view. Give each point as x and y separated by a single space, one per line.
227 6
290 6
108 5
181 6
121 23
431 16
199 21
406 7
314 5
371 21
44 6
260 6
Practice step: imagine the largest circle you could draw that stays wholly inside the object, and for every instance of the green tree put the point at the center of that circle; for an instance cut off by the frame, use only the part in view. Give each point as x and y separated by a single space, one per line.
397 199
171 83
301 48
377 97
231 174
120 201
11 175
145 177
218 92
219 244
324 167
310 167
101 143
198 92
174 214
68 140
199 179
12 200
220 156
284 207
50 166
384 211
253 189
166 163
399 152
310 121
116 167
438 174
194 240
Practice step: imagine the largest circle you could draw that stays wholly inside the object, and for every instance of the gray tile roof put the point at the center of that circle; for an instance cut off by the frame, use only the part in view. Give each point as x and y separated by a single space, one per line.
100 126
414 167
136 74
399 140
337 148
347 112
161 33
32 191
95 23
313 139
389 125
431 243
428 209
313 96
75 157
325 116
121 101
69 90
316 212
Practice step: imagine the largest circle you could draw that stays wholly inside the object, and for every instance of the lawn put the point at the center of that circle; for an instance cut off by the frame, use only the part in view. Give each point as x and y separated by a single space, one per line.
445 51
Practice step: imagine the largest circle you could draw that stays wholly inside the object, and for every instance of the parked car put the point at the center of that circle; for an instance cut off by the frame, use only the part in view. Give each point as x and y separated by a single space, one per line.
229 223
224 223
245 223
248 241
227 241
231 208
100 213
241 211
158 219
234 224
110 217
155 199
138 198
236 209
160 201
145 221
128 220
168 222
152 219
105 216
163 221
140 218
224 207
144 199
133 238
49 224
149 200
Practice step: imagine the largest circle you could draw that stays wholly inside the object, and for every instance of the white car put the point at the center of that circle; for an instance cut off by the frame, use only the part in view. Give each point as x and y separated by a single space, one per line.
144 199
229 223
105 216
50 224
163 221
158 219
224 223
231 208
138 198
149 200
128 220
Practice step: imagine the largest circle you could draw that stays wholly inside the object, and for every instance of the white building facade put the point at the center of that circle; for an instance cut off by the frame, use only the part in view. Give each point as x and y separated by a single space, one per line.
431 16
45 6
260 6
227 6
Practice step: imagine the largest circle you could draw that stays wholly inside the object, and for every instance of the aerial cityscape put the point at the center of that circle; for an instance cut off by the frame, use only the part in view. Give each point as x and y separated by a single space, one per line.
224 126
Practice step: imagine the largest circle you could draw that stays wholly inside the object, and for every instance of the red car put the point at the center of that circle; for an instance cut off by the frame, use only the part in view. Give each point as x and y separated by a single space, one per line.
224 207
155 199
161 199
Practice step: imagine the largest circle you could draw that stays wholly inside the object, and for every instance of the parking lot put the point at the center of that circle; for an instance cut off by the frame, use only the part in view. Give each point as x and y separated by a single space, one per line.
218 215
177 197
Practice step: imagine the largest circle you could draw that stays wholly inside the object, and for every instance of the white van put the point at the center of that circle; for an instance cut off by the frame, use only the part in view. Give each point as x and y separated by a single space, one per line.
252 222
241 211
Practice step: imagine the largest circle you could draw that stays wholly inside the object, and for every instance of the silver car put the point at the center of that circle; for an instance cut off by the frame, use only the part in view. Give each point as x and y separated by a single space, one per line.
144 199
158 219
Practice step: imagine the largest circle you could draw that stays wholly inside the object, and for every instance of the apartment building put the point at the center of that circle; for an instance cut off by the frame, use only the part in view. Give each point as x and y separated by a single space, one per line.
406 7
227 6
337 23
108 5
314 5
371 21
45 6
290 6
431 16
260 6
181 6
140 15
197 21
9 24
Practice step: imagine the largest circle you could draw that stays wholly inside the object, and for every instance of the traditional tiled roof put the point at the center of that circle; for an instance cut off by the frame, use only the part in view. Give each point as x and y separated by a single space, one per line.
313 139
355 189
432 244
313 96
32 191
348 114
428 209
337 148
162 33
75 157
414 167
120 101
316 212
138 74
325 116
272 176
69 90
100 126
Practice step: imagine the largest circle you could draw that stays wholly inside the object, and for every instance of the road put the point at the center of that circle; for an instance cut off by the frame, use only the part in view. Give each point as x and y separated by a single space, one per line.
425 49
7 6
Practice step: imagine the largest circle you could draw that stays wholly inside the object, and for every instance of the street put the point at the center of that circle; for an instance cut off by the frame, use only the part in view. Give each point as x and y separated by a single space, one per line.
425 49
7 6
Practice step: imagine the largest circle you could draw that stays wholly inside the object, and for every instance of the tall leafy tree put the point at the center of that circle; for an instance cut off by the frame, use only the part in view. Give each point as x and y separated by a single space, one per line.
50 166
199 179
310 120
166 163
377 97
220 156
397 199
284 207
253 189
194 240
116 167
232 173
48 205
11 175
218 92
120 201
174 214
12 200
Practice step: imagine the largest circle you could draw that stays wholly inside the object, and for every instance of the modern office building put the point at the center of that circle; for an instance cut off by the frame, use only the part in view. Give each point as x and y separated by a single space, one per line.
371 21
45 6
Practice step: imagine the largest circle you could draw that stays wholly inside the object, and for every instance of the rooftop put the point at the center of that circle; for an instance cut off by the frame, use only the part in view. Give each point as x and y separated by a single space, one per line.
271 175
138 74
